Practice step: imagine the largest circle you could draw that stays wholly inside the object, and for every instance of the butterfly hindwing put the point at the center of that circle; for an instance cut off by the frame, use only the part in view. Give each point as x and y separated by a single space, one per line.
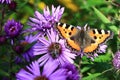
73 45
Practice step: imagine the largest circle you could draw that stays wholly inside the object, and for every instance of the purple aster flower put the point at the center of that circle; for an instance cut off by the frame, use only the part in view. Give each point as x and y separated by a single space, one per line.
116 60
45 21
50 71
51 47
28 54
71 72
102 48
12 28
5 1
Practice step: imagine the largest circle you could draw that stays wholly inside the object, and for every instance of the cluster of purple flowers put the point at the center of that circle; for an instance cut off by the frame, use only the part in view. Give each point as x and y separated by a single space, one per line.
55 58
56 61
50 71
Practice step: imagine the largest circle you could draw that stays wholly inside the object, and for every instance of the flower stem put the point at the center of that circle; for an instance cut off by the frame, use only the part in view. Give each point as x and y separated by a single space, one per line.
2 17
10 72
11 64
78 65
107 70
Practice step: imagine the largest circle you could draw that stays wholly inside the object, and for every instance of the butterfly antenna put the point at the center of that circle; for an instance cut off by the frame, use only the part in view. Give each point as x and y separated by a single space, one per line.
86 27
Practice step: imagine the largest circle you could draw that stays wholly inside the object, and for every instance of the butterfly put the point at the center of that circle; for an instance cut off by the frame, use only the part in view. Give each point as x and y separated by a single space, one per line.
85 39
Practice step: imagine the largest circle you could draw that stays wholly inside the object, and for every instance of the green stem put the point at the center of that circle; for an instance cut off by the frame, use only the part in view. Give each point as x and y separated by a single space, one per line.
11 64
10 67
107 70
2 17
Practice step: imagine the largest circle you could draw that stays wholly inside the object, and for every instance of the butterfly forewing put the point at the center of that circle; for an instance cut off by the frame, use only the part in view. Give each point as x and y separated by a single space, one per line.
66 30
100 36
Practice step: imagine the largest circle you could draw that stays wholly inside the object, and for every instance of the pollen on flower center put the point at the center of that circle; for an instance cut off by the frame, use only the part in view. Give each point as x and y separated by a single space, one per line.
12 29
40 78
55 50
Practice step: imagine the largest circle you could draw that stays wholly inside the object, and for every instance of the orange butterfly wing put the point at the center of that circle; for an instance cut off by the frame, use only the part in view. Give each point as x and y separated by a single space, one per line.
66 32
100 36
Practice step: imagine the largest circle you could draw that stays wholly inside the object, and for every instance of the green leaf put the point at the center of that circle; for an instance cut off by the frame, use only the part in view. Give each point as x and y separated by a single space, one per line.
3 73
103 58
85 69
91 76
105 20
88 4
101 16
96 2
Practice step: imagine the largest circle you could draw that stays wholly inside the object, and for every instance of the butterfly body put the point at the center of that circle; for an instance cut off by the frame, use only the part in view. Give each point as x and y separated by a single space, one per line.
84 39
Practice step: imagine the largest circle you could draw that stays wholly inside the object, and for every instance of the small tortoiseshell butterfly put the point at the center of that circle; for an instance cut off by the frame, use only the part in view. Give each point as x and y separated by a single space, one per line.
86 40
